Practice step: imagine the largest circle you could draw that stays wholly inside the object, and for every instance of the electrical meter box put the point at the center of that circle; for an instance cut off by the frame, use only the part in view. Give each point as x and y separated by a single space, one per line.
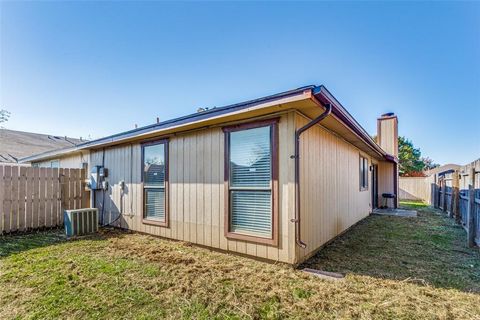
103 172
96 177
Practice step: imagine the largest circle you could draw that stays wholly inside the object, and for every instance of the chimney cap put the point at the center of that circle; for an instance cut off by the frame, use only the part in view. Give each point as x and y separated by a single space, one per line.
388 114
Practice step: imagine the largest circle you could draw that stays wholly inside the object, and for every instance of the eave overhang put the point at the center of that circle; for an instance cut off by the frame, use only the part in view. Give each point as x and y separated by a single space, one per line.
293 99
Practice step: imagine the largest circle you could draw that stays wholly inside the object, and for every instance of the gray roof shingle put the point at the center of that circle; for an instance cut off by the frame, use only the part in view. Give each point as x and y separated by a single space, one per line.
18 144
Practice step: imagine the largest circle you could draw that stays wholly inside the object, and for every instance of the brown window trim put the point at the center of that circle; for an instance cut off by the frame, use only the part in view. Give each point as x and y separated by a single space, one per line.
273 240
360 162
165 223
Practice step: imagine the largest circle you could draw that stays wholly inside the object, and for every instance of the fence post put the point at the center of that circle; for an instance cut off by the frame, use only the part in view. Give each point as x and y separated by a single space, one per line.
455 199
471 216
471 209
444 182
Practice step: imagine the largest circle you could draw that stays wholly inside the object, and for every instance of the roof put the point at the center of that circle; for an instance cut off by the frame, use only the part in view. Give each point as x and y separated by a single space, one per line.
302 93
18 144
446 168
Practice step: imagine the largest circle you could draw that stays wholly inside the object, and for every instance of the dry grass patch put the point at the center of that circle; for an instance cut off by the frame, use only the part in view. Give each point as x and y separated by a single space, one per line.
118 275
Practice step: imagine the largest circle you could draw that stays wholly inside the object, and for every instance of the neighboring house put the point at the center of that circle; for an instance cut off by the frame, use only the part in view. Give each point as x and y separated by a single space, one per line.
442 169
15 145
226 177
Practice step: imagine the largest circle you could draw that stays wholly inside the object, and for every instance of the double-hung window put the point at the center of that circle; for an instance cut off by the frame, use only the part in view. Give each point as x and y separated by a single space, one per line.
155 182
251 181
363 173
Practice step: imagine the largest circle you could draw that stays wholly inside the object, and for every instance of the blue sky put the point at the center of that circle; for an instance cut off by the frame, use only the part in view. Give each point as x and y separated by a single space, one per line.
86 68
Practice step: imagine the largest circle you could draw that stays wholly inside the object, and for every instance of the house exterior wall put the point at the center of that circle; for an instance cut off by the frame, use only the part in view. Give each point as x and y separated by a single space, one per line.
74 161
385 180
196 191
331 200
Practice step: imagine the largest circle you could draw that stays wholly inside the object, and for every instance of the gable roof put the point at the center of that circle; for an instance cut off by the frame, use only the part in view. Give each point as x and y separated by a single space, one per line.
446 168
15 145
204 117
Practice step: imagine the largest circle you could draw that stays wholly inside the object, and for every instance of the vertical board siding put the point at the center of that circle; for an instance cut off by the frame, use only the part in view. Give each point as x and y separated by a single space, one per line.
74 161
196 191
385 180
32 198
388 135
331 200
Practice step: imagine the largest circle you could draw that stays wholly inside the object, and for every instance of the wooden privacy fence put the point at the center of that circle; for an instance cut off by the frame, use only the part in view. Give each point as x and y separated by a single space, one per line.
415 188
457 193
34 198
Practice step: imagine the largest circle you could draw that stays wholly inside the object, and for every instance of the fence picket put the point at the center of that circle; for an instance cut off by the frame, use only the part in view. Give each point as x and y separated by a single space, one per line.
32 198
1 199
7 200
36 195
22 183
29 198
14 195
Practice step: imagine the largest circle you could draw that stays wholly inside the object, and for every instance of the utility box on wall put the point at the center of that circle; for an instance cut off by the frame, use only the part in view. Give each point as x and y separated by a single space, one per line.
97 177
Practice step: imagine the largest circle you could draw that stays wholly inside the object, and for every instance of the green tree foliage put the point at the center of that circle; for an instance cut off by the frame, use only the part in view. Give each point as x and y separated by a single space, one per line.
4 115
411 162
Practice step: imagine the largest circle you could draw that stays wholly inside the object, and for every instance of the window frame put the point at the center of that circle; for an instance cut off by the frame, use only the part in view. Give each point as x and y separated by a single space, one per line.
57 161
165 142
273 124
363 186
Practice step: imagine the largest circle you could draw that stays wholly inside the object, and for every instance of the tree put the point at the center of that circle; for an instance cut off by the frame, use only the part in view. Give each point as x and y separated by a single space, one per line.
410 160
429 164
4 115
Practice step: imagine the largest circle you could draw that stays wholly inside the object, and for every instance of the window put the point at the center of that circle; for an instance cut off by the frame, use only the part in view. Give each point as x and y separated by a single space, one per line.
55 164
155 182
363 173
251 178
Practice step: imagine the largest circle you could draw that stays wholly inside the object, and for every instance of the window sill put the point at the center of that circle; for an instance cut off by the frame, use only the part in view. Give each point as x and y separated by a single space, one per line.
259 240
363 189
155 223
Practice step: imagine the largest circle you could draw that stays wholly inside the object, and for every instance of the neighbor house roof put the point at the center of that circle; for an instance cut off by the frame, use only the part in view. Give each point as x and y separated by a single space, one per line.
204 117
18 144
446 168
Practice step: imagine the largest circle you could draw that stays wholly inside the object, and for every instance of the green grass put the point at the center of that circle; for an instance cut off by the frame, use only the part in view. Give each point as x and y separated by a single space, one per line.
429 249
395 268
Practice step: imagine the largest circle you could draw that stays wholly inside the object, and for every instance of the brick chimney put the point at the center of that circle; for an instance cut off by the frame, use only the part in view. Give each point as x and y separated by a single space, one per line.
387 133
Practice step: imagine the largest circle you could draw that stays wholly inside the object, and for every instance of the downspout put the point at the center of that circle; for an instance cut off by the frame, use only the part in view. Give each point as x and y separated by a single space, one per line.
296 156
395 185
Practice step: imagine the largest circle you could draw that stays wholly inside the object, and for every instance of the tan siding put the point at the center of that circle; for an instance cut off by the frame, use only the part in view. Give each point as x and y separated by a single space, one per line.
388 135
74 161
331 199
196 201
385 179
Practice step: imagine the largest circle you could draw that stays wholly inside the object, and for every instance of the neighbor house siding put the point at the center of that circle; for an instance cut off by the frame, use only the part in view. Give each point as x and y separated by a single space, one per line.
331 200
196 191
74 161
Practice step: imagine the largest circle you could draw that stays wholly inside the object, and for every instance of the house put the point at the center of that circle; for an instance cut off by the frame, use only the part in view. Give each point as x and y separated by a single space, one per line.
276 177
450 167
15 145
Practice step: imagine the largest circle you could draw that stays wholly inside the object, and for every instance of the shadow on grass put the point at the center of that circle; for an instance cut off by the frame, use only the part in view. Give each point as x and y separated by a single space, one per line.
17 243
430 249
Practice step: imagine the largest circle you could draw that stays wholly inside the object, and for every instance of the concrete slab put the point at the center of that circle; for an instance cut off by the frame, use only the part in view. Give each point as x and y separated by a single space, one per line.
325 274
395 212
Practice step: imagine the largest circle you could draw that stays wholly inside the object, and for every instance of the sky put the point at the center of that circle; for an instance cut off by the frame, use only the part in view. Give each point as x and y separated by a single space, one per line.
90 69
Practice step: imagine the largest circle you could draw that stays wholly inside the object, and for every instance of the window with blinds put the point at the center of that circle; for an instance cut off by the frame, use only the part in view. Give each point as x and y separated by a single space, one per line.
154 181
250 181
363 173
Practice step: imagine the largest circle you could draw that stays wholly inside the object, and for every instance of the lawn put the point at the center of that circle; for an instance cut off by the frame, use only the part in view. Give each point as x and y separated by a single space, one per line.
410 268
